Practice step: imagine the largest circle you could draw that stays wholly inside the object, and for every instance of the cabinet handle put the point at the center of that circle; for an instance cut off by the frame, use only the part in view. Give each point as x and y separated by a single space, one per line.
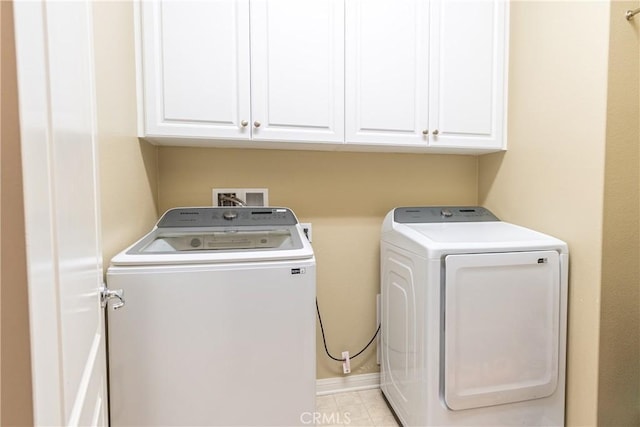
435 132
244 123
256 124
425 132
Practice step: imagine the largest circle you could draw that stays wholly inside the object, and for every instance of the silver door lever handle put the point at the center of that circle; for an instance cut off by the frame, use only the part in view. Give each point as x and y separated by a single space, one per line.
107 294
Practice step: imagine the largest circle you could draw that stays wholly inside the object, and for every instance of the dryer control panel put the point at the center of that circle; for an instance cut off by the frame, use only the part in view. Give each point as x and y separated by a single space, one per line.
430 214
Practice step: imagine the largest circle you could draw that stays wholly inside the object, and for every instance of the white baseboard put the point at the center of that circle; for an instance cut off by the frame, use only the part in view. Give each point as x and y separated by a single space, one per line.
347 383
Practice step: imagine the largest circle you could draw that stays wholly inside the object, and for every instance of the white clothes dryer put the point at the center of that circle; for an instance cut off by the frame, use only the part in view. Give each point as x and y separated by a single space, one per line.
473 319
219 322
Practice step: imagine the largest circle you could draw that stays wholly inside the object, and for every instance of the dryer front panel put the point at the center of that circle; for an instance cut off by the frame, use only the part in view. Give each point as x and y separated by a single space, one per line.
501 328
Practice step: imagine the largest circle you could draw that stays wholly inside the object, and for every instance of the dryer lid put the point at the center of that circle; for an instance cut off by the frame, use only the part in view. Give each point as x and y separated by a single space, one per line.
424 230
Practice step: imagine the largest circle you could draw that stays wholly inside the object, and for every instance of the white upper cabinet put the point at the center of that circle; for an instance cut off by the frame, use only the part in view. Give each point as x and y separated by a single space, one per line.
380 75
198 81
195 68
467 97
297 70
426 73
387 71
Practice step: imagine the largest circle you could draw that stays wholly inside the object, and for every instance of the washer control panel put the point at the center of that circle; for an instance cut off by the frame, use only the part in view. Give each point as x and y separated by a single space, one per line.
430 214
226 216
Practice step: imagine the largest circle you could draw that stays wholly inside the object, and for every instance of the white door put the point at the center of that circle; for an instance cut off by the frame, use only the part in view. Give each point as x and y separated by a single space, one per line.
54 48
501 328
387 48
467 81
297 70
196 68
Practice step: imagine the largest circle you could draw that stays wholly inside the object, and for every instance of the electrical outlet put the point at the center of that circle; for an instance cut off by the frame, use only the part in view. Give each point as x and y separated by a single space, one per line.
346 365
306 228
235 196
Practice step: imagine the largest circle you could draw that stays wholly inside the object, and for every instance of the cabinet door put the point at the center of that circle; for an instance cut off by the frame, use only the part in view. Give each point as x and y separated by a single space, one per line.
387 45
468 80
297 76
195 60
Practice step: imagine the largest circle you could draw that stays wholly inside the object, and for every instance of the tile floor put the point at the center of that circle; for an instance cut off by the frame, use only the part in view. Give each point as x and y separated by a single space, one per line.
355 408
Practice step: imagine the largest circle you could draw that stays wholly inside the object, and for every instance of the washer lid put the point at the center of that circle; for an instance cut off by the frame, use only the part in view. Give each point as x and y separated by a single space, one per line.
216 235
168 241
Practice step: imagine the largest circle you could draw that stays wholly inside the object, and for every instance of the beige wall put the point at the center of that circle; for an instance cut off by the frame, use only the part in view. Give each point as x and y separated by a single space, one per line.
345 196
619 375
15 365
128 167
572 171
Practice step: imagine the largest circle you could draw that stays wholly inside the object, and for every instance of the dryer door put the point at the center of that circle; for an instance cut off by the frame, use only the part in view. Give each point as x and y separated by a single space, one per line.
501 328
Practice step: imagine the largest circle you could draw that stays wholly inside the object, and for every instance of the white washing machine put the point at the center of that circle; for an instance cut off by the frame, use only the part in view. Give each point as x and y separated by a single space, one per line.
219 322
473 319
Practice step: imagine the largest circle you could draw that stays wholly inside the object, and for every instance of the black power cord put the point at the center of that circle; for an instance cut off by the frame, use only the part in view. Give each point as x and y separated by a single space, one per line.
324 340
